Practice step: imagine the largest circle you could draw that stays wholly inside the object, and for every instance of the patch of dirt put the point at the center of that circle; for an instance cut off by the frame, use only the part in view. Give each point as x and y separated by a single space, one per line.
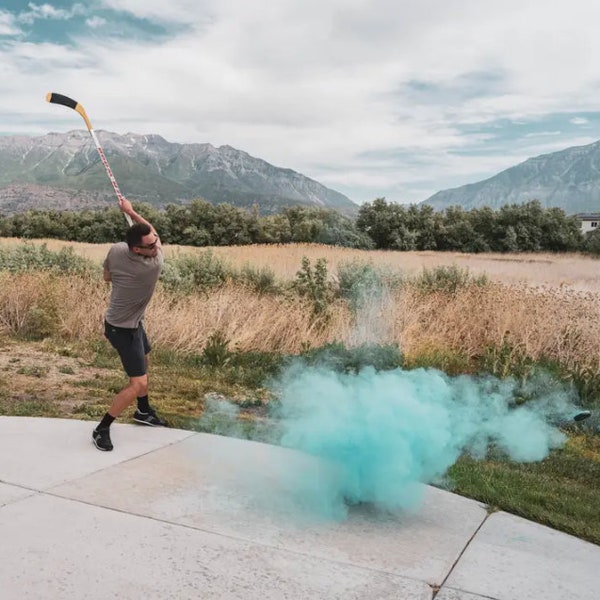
29 372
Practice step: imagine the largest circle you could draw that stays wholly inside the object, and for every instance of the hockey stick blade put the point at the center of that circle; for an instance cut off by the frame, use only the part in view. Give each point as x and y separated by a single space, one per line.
54 98
63 100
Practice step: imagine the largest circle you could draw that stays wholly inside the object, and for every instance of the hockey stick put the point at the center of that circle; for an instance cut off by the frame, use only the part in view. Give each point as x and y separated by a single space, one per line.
69 103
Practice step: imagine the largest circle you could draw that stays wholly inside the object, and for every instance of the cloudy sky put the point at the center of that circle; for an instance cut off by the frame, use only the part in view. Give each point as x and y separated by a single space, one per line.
393 98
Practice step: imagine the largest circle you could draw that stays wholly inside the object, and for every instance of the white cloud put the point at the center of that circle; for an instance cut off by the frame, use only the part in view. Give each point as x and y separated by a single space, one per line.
318 85
48 11
579 121
95 22
174 11
8 26
542 134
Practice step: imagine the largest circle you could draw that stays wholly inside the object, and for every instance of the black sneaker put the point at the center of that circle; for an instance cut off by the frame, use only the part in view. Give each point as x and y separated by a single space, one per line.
149 418
101 439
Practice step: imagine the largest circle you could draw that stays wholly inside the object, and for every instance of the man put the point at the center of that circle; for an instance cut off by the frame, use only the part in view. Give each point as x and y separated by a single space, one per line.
133 268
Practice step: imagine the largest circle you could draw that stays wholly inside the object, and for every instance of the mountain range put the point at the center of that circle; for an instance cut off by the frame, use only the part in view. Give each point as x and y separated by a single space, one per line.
64 171
568 179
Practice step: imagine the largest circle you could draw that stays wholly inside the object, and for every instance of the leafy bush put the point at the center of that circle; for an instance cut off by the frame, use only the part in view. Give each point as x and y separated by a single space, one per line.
41 321
336 356
592 243
216 352
312 283
447 279
359 282
195 273
260 279
28 257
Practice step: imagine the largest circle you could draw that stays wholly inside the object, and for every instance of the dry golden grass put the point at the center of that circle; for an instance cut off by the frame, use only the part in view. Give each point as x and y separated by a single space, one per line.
533 322
574 271
247 320
184 323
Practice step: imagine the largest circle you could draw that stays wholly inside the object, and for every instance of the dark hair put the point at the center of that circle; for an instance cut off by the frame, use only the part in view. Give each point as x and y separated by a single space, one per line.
135 234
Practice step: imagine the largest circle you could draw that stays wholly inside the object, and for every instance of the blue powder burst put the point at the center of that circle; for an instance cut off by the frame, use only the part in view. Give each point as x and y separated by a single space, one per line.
387 433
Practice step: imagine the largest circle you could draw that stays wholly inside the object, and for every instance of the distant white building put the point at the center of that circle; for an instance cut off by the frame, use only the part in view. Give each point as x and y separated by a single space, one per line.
589 222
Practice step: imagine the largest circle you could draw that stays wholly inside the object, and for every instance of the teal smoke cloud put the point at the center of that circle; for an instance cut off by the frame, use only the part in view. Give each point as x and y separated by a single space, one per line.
388 432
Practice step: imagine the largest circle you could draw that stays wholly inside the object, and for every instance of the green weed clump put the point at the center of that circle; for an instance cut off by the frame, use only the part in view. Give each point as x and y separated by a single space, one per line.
216 353
351 360
448 279
192 273
41 321
262 280
357 281
505 359
450 361
28 257
311 283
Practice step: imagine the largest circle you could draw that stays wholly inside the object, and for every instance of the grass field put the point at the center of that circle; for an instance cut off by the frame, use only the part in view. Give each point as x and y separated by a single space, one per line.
226 342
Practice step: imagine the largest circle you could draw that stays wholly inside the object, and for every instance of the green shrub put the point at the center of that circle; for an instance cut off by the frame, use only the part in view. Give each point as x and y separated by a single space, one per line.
450 361
260 279
591 244
195 273
336 356
312 283
216 352
504 360
447 279
35 257
40 322
360 282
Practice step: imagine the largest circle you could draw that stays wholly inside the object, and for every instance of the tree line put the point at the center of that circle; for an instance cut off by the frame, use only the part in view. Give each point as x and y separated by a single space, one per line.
379 225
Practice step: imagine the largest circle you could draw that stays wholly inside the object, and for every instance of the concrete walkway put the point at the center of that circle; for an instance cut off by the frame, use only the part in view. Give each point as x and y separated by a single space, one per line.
176 514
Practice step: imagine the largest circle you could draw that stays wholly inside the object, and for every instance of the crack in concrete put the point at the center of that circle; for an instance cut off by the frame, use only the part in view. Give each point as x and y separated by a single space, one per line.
436 589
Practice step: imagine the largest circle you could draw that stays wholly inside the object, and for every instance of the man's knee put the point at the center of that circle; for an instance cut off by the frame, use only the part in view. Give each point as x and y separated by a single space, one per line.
139 384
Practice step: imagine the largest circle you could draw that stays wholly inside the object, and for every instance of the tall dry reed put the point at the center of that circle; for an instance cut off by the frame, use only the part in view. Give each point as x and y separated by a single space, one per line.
248 320
550 323
534 322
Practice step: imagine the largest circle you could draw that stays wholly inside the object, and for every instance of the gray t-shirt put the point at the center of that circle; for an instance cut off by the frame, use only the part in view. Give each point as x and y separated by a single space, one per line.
133 278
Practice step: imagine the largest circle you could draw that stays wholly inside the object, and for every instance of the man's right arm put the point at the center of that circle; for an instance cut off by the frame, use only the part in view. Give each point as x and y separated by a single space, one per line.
106 275
127 208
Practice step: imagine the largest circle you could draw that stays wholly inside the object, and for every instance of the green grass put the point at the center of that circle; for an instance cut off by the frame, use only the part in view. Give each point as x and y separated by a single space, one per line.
35 371
28 407
562 491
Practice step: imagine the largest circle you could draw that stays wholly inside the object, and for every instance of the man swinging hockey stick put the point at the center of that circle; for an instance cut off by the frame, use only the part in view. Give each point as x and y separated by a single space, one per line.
133 268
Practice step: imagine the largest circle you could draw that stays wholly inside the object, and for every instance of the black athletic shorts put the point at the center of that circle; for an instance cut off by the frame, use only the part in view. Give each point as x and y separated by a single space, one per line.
132 346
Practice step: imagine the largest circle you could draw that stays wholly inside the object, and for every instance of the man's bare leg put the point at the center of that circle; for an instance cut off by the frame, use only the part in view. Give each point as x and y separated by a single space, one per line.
138 386
145 414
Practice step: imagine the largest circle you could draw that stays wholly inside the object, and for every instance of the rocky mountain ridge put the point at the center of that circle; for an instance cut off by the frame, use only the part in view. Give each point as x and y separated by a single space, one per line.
63 170
568 179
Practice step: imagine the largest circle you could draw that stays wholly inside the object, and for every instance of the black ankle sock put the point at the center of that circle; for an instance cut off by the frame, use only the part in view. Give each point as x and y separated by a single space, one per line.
106 421
142 404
